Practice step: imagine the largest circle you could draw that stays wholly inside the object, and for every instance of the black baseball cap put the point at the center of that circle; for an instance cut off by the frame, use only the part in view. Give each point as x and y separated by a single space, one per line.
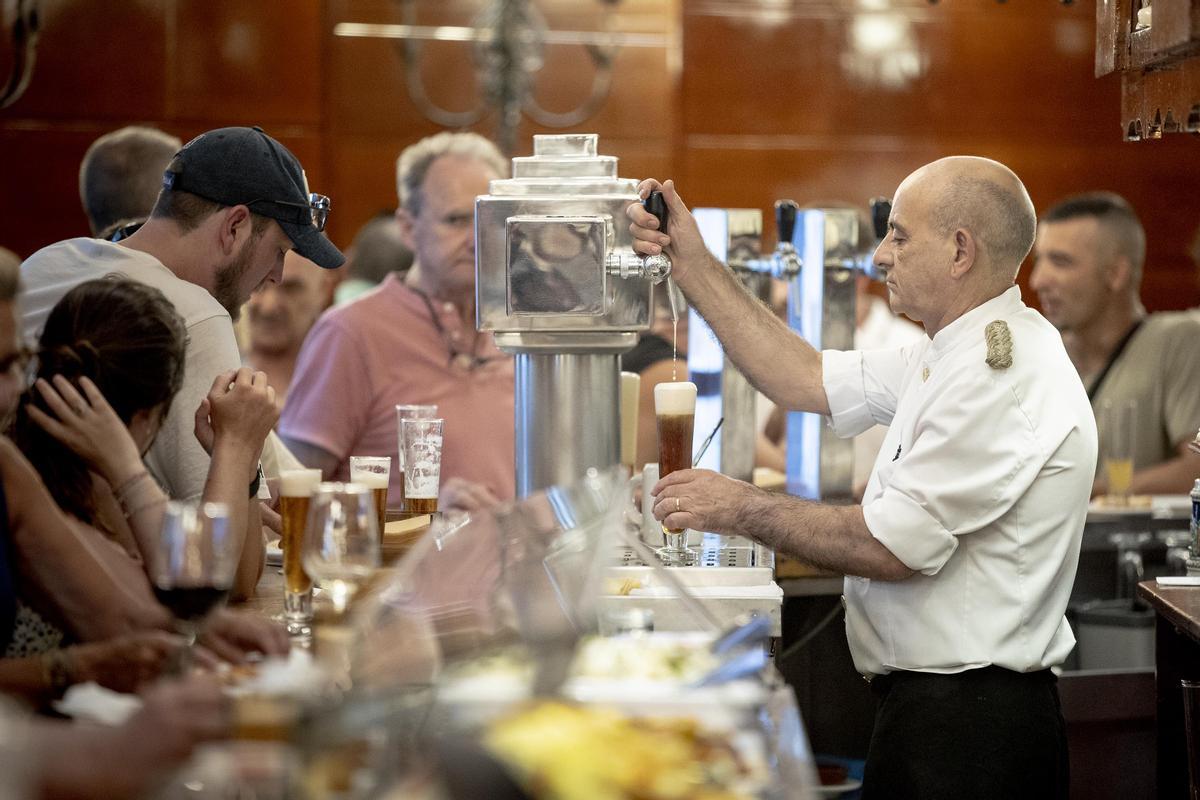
245 166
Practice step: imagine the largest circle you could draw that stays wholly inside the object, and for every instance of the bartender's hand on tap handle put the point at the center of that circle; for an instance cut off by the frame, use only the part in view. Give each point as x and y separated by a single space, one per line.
681 239
701 500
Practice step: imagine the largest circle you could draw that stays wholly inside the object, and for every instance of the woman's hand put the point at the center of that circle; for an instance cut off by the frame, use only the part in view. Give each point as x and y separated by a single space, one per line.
127 663
87 424
234 634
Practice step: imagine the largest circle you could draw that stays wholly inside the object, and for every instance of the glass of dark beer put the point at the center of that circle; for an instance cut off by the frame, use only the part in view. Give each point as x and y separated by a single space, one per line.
675 410
422 440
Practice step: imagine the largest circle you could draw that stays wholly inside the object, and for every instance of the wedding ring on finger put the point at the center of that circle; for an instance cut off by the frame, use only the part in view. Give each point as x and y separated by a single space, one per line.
677 505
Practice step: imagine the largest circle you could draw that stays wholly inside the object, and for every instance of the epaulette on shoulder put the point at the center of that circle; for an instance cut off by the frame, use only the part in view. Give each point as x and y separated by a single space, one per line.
999 344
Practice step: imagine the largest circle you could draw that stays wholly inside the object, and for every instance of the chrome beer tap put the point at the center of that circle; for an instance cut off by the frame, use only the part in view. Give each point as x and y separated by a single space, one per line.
628 264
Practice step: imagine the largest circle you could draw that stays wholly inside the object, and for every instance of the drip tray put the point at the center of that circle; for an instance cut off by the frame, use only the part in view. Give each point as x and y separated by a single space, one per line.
712 550
721 561
706 557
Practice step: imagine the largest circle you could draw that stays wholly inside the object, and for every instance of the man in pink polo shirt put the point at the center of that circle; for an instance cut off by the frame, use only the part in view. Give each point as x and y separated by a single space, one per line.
413 340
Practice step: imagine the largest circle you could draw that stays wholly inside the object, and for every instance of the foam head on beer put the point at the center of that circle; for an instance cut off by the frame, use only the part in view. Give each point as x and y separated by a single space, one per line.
298 482
675 399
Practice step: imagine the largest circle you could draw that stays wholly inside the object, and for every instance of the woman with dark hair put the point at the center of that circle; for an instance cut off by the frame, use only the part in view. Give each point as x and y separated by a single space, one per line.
127 340
110 361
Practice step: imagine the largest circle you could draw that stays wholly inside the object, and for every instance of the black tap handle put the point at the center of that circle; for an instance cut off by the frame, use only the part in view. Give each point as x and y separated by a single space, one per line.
785 219
881 211
657 205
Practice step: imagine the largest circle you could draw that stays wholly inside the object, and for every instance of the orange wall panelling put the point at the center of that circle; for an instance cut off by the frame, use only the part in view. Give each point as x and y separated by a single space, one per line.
749 101
840 99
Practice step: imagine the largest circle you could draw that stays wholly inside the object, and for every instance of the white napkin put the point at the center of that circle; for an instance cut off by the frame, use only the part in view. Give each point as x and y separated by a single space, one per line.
91 701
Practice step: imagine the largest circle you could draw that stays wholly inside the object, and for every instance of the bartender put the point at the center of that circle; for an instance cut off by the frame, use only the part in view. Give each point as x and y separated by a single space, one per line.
961 558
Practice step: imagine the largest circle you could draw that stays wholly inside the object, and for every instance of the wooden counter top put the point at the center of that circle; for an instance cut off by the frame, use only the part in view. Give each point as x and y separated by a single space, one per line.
399 537
1179 605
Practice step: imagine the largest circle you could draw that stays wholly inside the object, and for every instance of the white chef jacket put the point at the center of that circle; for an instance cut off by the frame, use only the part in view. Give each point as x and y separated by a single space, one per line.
981 487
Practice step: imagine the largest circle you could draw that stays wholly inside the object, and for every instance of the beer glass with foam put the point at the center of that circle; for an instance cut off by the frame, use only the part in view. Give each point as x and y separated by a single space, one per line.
404 412
373 472
295 488
675 410
422 440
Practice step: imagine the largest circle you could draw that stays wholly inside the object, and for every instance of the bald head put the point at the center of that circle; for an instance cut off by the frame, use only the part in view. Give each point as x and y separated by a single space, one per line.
985 198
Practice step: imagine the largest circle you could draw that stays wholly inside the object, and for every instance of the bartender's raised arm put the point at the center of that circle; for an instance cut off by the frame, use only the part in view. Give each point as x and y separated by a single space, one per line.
772 356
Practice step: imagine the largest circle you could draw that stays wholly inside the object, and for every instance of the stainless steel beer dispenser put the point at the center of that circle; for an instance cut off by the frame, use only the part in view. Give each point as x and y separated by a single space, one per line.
558 282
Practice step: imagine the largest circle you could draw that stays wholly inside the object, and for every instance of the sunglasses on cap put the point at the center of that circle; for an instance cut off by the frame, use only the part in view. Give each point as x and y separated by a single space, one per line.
316 210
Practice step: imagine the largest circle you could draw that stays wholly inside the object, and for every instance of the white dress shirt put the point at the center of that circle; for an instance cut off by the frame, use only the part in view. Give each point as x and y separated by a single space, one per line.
981 487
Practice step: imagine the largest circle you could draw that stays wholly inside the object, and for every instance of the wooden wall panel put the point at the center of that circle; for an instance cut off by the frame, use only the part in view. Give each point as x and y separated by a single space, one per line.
749 102
1011 83
184 66
98 61
255 63
371 117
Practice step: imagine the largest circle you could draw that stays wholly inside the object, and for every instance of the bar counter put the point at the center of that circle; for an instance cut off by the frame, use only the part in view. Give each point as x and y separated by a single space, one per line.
1177 654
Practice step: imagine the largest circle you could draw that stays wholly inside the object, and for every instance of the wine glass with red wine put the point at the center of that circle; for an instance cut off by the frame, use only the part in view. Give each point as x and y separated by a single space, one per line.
195 563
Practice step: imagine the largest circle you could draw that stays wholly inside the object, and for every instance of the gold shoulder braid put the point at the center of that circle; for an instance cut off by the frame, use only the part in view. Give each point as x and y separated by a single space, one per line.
999 344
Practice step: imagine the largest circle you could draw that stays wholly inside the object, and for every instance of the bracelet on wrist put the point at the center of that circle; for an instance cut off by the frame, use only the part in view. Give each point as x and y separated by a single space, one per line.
58 671
137 494
256 483
130 482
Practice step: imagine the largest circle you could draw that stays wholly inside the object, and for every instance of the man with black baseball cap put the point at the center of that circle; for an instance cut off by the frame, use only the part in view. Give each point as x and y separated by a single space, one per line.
233 202
245 166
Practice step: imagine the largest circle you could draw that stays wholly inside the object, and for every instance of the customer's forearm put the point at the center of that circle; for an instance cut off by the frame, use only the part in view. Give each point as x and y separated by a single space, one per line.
773 357
233 466
1174 476
25 678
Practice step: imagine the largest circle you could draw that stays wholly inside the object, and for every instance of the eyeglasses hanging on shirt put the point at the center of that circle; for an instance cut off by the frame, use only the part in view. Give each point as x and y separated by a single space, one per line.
468 361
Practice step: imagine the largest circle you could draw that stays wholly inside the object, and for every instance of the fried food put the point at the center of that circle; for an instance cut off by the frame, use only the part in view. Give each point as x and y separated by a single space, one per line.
564 752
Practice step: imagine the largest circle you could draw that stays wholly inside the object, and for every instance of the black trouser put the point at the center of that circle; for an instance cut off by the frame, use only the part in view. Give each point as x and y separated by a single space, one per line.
980 734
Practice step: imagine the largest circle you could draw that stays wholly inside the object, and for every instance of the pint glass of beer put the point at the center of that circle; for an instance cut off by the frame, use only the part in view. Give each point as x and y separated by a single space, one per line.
422 447
404 412
295 488
675 409
373 472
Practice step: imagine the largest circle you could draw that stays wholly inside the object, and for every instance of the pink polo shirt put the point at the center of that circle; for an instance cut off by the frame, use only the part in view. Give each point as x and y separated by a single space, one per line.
362 359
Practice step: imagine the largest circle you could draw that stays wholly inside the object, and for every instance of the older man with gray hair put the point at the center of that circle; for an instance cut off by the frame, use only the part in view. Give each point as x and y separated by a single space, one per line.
961 557
412 340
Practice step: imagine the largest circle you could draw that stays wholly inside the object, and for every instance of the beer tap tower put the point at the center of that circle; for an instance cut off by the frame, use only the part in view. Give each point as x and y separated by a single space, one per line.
558 282
819 255
734 236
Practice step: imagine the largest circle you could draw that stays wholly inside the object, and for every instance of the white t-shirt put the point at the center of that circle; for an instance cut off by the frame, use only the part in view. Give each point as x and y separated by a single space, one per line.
981 487
176 459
